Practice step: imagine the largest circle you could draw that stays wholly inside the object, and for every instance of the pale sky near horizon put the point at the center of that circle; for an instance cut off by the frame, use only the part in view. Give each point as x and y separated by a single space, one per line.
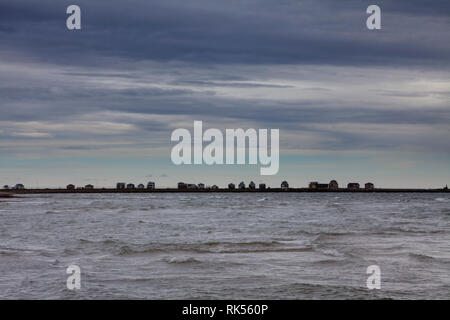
98 105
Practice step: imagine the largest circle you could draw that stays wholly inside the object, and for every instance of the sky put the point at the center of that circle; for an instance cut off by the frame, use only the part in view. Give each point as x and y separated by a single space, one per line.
98 105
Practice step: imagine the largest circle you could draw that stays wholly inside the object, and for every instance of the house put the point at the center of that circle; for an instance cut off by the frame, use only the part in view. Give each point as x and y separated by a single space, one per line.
333 185
313 185
241 185
70 187
369 186
201 186
317 185
130 186
252 185
182 186
120 185
262 186
141 186
192 186
231 186
353 186
284 185
151 185
214 187
18 186
89 187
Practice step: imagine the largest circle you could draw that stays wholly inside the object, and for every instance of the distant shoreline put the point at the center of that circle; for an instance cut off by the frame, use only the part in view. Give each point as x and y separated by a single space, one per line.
6 193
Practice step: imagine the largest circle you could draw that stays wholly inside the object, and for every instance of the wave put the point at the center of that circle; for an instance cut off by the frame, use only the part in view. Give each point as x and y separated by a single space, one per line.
331 252
420 256
52 212
180 260
328 261
8 253
329 235
214 247
397 230
305 290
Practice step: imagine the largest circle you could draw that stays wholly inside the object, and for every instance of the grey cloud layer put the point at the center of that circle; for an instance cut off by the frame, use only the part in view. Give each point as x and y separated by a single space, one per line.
139 68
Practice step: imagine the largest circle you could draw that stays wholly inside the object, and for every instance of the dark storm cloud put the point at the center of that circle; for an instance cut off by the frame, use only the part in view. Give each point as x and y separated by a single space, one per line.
252 32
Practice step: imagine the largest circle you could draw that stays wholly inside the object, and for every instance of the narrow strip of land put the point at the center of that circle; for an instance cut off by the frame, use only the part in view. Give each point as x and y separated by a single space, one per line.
6 193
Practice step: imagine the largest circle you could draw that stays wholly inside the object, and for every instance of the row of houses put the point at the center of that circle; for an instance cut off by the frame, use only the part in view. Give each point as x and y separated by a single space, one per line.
193 186
123 186
231 186
86 187
119 186
18 186
333 185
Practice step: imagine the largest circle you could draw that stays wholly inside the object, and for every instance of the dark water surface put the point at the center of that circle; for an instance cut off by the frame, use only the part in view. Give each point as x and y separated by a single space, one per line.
225 246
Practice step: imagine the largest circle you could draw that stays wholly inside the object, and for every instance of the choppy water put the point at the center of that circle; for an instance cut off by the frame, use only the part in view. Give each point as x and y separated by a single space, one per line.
225 246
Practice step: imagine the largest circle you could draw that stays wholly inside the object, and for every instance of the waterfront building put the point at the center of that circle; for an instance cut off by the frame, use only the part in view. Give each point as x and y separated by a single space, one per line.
130 186
70 187
151 185
317 185
353 186
5 187
333 185
231 186
192 186
120 185
241 185
18 186
141 186
285 185
262 186
252 185
201 186
89 187
214 187
369 186
182 186
313 185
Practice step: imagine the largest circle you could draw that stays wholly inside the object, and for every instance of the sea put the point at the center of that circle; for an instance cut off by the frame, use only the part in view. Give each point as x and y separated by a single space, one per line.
226 246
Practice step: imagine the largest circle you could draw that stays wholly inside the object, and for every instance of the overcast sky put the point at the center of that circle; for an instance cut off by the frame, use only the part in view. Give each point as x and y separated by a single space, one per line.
98 105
